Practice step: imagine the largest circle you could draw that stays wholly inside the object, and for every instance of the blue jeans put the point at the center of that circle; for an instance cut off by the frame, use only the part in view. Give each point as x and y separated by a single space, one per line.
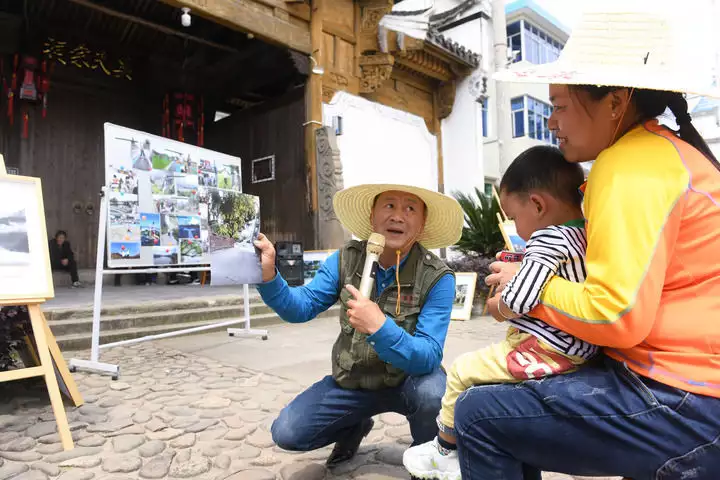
326 413
603 420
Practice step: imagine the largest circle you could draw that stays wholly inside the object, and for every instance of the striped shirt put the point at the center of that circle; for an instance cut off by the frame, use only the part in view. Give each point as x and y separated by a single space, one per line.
555 250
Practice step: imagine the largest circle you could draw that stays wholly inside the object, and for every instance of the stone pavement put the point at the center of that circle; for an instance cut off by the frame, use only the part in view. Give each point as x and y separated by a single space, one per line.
191 407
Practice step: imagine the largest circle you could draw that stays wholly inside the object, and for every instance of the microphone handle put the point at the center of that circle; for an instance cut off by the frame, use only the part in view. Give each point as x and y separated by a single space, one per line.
368 276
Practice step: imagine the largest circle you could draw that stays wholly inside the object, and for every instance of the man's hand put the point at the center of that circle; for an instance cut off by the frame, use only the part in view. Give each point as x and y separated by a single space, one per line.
364 315
503 272
267 257
65 261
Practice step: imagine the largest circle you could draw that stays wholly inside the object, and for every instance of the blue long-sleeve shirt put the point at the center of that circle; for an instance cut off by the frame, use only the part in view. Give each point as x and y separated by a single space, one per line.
417 354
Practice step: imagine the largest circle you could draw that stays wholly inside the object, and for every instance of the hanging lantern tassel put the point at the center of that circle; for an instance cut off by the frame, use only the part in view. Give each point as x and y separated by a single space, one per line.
26 121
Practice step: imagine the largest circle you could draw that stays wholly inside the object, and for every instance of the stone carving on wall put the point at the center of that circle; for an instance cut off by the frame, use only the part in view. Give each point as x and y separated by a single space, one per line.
375 69
478 86
330 233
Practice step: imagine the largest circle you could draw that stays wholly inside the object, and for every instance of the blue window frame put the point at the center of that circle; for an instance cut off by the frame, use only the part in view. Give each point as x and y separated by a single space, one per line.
517 106
537 114
540 47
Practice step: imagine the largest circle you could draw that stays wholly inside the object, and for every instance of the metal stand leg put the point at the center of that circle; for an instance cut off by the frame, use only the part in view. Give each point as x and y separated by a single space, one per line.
94 364
247 331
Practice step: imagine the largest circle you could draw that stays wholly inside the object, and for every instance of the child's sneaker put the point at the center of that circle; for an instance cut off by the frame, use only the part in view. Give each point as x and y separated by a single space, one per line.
425 461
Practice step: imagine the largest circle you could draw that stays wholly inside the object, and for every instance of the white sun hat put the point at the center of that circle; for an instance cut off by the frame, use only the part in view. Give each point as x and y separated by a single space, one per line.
443 224
657 45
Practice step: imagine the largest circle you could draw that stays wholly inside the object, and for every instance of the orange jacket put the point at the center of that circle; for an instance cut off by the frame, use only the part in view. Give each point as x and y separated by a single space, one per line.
652 292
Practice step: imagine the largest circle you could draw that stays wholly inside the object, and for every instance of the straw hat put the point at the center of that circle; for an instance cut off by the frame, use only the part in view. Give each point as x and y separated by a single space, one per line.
633 43
443 225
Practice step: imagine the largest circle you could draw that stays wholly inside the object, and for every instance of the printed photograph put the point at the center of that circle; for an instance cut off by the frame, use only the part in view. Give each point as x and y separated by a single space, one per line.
189 206
312 261
123 212
206 166
122 181
191 251
190 166
460 296
207 179
150 229
125 251
228 177
203 194
464 295
189 227
165 255
14 241
186 185
129 232
169 233
140 155
166 205
234 220
160 161
162 182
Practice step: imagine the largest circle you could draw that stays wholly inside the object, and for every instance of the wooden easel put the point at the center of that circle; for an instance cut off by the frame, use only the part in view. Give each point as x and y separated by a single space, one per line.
502 219
49 356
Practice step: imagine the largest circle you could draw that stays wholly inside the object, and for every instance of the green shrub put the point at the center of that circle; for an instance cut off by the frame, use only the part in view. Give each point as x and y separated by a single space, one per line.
481 234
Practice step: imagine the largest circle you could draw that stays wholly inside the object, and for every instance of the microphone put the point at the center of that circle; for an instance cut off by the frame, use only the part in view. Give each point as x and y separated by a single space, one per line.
375 247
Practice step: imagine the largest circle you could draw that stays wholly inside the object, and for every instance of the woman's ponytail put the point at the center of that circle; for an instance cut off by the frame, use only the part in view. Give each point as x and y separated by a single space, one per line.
687 131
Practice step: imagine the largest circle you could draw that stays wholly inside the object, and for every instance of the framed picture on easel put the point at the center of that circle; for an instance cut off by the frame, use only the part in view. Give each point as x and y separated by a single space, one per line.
513 242
24 259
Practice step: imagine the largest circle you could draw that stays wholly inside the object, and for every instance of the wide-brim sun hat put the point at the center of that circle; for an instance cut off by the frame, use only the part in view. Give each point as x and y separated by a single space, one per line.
443 224
656 45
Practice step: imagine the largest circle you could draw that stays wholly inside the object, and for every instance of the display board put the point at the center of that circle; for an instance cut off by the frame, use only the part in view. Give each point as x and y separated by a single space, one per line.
161 197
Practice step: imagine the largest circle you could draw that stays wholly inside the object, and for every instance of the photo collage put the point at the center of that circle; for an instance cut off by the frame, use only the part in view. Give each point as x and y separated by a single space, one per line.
160 199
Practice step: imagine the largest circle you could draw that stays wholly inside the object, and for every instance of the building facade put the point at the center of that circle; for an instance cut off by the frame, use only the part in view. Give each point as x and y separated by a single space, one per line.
534 36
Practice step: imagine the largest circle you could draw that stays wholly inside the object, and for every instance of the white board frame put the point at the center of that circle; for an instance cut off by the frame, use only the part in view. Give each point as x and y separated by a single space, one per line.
33 281
117 154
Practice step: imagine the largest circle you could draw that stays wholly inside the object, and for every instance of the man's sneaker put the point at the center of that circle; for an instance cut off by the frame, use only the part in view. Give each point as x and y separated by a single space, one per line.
425 461
77 285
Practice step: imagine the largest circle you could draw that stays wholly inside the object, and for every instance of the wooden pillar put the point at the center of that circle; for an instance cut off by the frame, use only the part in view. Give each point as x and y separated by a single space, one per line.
314 100
438 134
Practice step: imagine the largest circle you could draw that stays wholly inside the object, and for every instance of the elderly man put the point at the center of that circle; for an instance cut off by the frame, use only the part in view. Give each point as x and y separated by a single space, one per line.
388 353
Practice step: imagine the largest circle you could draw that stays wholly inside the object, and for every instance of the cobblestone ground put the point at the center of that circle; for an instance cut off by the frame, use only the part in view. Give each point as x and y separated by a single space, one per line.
176 415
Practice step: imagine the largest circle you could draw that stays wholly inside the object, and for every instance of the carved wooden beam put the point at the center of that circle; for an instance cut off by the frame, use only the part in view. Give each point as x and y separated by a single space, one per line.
265 22
375 69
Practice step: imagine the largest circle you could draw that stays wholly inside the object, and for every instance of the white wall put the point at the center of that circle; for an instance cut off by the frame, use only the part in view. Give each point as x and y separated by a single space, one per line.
462 143
462 140
380 144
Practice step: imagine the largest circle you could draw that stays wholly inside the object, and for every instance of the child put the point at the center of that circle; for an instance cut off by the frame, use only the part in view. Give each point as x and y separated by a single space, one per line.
540 192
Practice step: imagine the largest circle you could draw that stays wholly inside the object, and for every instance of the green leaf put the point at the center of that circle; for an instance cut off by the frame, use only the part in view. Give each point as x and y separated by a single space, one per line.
481 234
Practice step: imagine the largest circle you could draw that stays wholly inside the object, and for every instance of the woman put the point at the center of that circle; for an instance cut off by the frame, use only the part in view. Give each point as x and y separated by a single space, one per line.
651 408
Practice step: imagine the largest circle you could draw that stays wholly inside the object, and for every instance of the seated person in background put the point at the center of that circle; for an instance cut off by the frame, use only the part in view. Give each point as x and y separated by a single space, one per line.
62 258
540 192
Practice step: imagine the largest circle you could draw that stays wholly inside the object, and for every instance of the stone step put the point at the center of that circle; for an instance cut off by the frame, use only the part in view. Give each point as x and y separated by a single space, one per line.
53 314
115 333
172 316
